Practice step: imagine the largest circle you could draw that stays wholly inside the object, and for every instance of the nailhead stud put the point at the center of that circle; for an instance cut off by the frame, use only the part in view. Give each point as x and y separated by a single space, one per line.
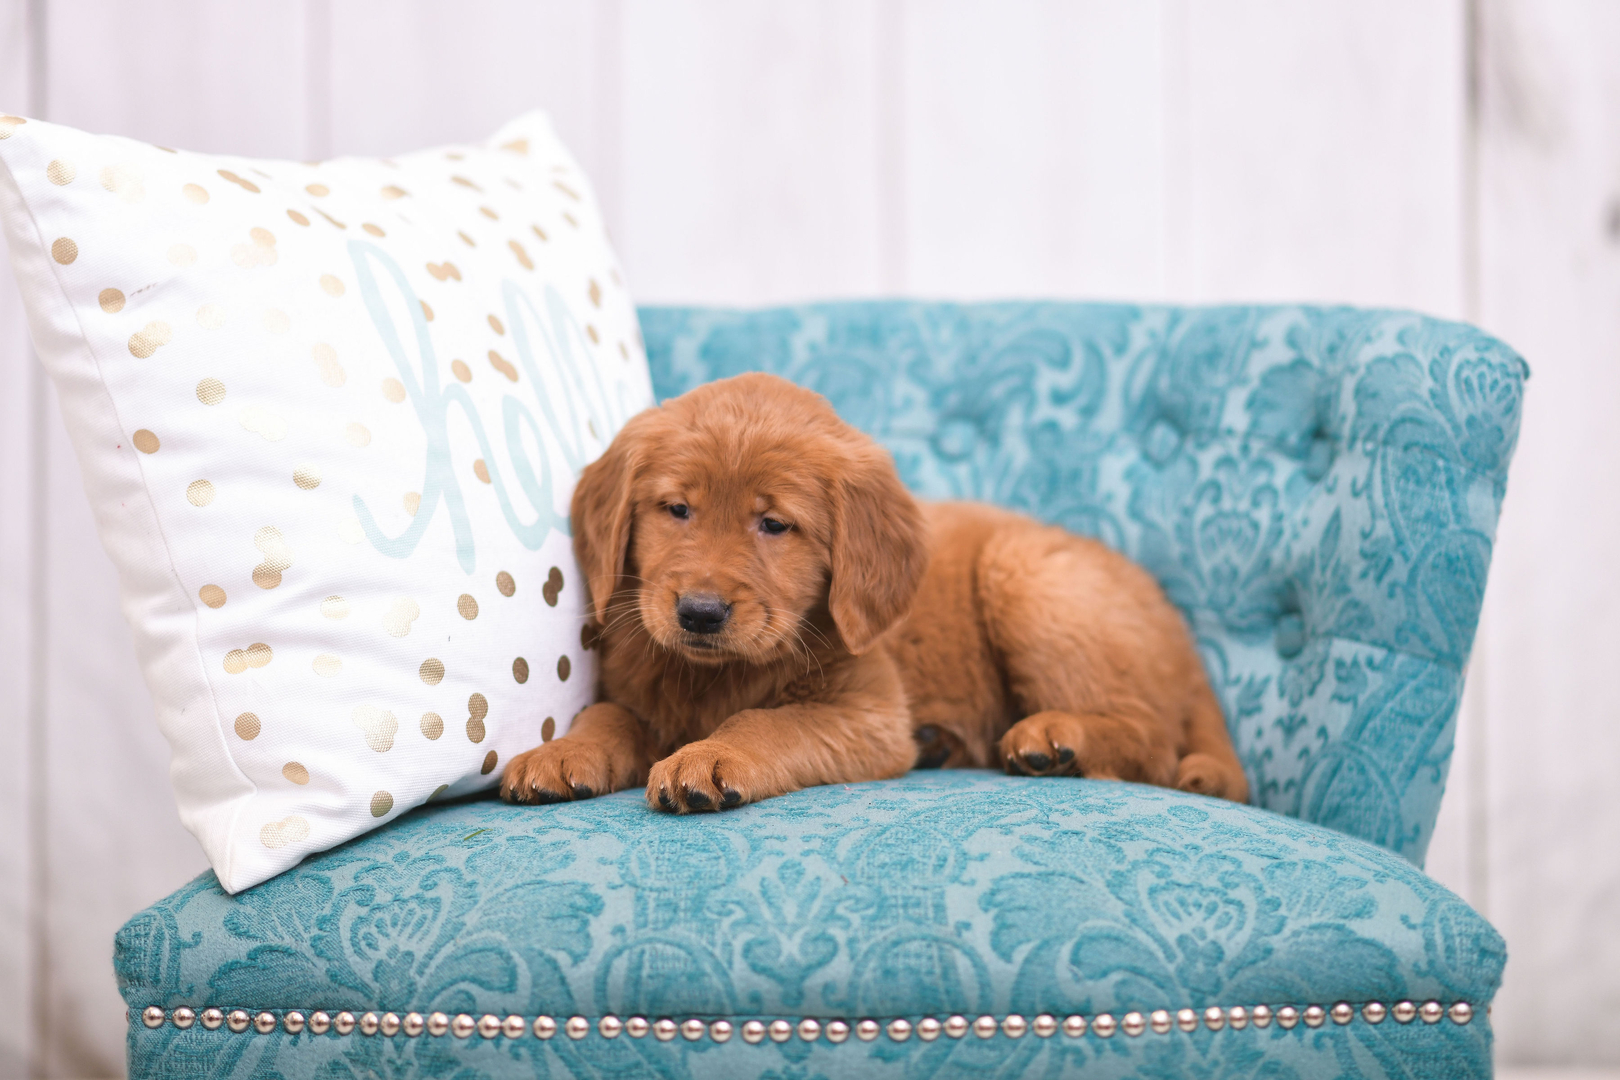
212 1018
899 1029
1431 1012
985 1026
293 1022
1342 1012
753 1031
1103 1026
1186 1020
780 1031
867 1030
1287 1017
238 1020
1314 1016
837 1031
1013 1026
152 1016
369 1023
956 1026
1260 1015
720 1031
489 1025
413 1024
1461 1013
1159 1020
514 1026
463 1026
438 1023
809 1030
608 1027
390 1024
1237 1018
320 1022
1374 1012
577 1027
544 1026
264 1023
692 1030
184 1018
1074 1026
1214 1018
1044 1025
664 1029
343 1023
637 1027
1404 1012
1133 1023
928 1029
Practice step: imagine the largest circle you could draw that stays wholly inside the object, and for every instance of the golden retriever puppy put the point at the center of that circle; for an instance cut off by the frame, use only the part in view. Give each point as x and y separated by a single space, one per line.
774 610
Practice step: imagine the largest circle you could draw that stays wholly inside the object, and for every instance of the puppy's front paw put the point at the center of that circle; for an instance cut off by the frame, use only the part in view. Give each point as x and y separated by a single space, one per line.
706 775
1046 744
559 771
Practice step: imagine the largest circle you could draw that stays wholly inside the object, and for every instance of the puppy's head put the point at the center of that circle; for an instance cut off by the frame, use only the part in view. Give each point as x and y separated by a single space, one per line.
733 519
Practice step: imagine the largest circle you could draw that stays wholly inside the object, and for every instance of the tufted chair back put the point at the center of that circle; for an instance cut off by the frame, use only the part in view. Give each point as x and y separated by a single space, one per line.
1316 488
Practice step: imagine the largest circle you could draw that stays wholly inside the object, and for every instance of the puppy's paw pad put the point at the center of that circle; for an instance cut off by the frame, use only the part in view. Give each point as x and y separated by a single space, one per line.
557 772
1042 745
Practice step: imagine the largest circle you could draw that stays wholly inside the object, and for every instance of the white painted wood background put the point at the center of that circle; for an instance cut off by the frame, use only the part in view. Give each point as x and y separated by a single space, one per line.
1457 156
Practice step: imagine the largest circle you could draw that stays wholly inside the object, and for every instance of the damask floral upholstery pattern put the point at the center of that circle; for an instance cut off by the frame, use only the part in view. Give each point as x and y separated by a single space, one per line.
1318 490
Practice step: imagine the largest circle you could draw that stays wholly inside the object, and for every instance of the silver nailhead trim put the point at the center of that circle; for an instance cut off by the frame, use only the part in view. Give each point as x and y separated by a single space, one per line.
1074 1026
463 1026
928 1029
720 1031
1237 1017
1404 1012
664 1029
489 1026
985 1027
899 1030
577 1027
369 1023
1374 1012
1103 1026
753 1031
866 1030
692 1030
608 1027
809 1030
956 1026
1014 1026
1287 1016
152 1016
1159 1020
1342 1012
1044 1025
1431 1012
512 1027
293 1022
238 1020
837 1031
1461 1012
438 1023
544 1027
1261 1015
1132 1024
1186 1020
636 1027
389 1025
1314 1016
413 1024
1214 1018
343 1023
212 1018
780 1031
184 1018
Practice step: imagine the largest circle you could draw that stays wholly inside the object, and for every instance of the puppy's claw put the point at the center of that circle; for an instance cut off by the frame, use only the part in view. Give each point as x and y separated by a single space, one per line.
1065 755
583 791
545 796
664 800
1038 762
730 797
697 800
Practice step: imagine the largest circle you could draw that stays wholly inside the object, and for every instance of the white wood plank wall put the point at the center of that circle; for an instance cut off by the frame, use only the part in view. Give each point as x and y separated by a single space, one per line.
750 152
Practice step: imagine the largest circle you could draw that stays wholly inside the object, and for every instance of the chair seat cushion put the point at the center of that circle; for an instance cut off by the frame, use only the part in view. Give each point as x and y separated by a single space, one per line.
952 894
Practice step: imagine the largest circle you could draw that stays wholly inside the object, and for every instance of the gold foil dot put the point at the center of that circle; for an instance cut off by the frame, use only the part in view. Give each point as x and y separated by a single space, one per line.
440 790
413 502
124 180
235 662
623 352
248 727
489 763
541 233
349 530
320 191
552 587
466 606
522 256
357 434
443 271
298 219
460 370
331 285
590 332
469 241
111 301
432 725
495 324
60 173
481 470
261 252
212 595
182 254
149 339
520 670
487 212
210 391
571 219
393 192
211 316
327 665
401 614
64 250
277 557
464 182
326 359
295 772
427 312
200 492
276 321
245 185
564 668
374 230
334 607
381 803
9 125
478 706
504 584
258 655
432 671
146 442
289 830
195 193
332 220
517 146
393 390
262 421
502 365
307 476
548 730
379 725
595 294
475 729
565 189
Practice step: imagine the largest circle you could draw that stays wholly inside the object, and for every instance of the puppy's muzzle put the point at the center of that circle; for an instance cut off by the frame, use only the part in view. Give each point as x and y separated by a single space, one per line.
702 613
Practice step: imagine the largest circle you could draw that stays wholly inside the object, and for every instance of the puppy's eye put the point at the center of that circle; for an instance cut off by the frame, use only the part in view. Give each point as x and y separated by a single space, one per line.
679 510
774 527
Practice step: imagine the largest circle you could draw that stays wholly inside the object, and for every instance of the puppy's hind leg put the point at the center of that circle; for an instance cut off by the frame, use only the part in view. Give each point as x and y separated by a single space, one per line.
1210 766
1100 745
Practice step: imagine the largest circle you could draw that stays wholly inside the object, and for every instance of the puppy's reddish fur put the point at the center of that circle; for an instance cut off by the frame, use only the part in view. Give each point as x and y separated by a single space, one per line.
870 635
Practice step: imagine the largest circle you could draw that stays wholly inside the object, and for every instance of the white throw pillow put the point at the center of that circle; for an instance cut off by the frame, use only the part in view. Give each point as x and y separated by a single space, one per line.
329 417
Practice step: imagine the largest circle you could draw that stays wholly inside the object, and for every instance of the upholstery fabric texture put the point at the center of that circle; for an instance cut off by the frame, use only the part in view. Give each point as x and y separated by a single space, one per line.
1318 490
329 418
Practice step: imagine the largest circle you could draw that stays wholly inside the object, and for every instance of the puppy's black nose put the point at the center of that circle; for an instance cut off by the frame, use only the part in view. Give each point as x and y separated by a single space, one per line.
702 613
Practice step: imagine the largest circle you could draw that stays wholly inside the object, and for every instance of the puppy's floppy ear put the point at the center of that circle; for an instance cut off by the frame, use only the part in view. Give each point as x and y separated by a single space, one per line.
878 549
600 514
